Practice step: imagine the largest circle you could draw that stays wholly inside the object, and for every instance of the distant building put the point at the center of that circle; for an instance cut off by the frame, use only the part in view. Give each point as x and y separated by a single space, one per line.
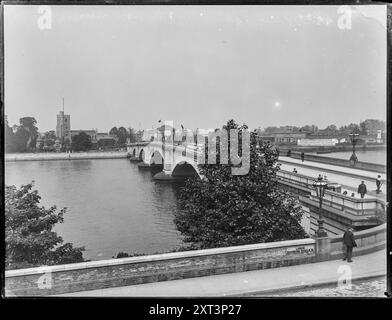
105 136
63 126
286 137
326 142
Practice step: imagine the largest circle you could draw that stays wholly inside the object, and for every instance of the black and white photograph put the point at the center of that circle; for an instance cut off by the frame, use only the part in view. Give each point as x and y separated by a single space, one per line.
195 151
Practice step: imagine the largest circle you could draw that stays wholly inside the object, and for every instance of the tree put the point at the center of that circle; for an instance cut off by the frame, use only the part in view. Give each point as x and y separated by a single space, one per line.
29 238
29 124
224 210
81 142
122 135
9 138
309 128
49 138
132 135
22 137
331 128
113 131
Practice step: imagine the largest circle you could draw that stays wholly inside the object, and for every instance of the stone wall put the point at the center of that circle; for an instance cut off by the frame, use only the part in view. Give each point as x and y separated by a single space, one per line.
68 278
368 241
153 268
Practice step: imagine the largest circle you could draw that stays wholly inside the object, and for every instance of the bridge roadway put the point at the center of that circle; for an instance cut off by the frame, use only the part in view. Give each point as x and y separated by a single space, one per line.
252 282
348 178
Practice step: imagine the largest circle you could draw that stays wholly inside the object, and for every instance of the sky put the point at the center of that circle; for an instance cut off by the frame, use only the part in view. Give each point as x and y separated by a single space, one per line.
195 65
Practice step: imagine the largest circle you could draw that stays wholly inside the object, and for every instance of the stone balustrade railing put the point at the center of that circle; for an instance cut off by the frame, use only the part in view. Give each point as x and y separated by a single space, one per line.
92 275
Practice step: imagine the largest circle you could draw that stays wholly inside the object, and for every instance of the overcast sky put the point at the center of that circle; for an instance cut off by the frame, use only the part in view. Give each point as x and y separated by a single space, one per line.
195 65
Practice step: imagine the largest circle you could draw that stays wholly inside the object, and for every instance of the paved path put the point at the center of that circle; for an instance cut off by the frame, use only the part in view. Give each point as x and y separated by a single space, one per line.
252 282
344 176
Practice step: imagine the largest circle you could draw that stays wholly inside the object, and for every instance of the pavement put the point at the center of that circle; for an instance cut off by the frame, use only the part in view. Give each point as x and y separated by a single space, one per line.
348 178
253 282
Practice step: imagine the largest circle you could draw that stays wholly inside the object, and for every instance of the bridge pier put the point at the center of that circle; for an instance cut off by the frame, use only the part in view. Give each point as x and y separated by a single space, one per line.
144 166
134 159
166 176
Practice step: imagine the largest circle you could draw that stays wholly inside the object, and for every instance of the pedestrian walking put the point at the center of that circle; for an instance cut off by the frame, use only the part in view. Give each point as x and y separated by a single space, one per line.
348 243
289 153
378 184
302 156
362 190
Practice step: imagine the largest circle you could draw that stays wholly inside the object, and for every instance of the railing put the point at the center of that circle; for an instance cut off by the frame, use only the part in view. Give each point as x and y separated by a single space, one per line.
346 204
296 178
355 206
152 268
368 241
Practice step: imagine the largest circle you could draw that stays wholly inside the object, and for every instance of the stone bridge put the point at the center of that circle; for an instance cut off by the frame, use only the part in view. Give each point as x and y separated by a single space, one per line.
175 160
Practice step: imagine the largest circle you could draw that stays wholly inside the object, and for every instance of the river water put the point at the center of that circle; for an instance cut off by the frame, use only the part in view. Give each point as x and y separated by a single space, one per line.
112 205
377 157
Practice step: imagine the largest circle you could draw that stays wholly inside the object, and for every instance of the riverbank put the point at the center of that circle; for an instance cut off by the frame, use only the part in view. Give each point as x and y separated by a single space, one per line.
65 156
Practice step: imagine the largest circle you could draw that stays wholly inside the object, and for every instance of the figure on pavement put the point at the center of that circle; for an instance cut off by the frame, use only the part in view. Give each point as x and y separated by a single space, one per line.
349 243
362 190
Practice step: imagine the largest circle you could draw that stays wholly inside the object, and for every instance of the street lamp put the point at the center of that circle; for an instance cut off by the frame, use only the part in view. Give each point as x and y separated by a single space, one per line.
354 139
320 185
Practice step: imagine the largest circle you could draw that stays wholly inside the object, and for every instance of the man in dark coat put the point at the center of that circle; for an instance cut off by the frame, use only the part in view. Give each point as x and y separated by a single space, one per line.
302 156
349 243
378 184
362 189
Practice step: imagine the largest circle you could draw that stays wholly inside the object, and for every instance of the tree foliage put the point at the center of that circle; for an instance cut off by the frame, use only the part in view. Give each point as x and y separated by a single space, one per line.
30 240
81 142
22 137
224 210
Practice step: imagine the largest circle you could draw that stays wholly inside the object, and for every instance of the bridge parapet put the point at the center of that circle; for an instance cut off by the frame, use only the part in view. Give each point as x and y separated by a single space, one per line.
50 280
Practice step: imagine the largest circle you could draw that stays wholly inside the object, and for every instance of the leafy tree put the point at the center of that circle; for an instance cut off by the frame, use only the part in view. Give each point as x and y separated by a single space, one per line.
332 128
22 137
81 142
132 135
363 127
9 138
122 135
309 128
49 138
113 131
29 124
224 210
29 238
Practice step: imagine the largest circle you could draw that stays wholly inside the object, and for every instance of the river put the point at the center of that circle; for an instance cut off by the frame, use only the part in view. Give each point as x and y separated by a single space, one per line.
112 205
378 157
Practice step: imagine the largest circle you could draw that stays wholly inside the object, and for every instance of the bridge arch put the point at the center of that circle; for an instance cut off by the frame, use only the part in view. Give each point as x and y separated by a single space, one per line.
156 158
184 168
142 154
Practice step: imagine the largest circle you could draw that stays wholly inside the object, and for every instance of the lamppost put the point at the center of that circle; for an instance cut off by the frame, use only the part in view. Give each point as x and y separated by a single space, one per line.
354 139
320 185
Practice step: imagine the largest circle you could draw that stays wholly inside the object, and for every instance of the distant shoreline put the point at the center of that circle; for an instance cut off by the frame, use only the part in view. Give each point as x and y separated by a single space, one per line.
65 156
